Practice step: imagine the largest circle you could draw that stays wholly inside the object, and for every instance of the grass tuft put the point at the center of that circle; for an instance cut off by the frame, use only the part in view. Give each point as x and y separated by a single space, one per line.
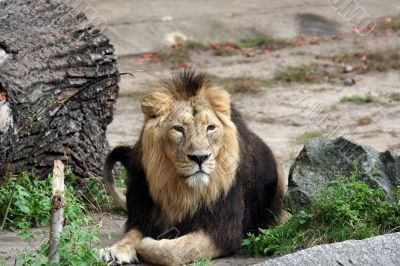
265 42
395 97
346 208
360 99
380 60
179 54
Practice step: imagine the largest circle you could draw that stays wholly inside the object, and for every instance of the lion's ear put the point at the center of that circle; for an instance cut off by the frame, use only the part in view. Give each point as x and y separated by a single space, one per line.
148 107
157 104
220 100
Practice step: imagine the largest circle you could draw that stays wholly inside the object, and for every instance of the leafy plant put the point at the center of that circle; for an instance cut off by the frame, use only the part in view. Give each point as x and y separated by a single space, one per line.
30 201
344 209
77 245
360 99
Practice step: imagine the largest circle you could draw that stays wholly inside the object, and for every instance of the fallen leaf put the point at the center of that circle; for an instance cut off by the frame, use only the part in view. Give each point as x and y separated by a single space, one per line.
216 46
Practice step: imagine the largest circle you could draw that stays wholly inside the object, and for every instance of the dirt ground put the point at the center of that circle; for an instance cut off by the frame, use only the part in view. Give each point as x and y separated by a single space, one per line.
284 114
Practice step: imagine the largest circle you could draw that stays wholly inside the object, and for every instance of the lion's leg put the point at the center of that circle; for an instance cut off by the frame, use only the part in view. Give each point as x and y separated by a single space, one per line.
187 248
122 251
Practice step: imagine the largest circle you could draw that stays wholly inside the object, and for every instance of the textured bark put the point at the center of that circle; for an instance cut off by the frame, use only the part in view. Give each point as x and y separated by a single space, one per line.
60 75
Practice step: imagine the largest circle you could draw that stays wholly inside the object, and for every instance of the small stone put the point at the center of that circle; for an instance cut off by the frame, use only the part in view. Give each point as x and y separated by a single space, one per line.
347 69
349 82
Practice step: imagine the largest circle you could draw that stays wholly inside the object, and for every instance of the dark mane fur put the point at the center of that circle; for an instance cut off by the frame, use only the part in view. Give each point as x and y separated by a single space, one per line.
186 83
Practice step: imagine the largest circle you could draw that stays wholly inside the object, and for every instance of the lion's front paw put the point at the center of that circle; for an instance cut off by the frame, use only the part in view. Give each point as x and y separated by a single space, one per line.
119 255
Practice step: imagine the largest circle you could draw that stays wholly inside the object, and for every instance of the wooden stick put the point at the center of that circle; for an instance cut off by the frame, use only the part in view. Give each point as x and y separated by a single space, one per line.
57 210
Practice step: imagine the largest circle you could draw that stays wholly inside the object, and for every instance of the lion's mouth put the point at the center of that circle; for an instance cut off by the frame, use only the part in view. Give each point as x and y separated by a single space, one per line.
196 173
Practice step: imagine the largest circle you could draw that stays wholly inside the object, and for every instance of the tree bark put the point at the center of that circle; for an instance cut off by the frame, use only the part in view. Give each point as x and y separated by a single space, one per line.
60 78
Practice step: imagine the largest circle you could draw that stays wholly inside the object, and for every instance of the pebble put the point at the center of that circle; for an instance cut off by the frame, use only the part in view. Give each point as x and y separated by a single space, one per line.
349 82
347 69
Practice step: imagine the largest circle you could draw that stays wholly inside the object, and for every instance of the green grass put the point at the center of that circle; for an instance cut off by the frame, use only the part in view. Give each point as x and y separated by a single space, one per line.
179 54
346 208
394 23
395 97
2 261
30 207
202 262
265 42
31 202
381 60
294 74
303 73
360 99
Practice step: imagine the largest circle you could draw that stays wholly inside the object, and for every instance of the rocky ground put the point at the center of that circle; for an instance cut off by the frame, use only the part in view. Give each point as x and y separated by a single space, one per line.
329 84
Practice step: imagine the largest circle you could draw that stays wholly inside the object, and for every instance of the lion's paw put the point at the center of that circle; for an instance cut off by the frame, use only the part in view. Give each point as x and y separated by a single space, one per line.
119 255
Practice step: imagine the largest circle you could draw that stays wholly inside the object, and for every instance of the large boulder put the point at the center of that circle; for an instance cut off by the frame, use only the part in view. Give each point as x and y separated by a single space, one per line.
323 160
380 250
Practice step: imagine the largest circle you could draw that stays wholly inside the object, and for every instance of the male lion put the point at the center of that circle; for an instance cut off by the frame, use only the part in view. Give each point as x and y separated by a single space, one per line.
196 171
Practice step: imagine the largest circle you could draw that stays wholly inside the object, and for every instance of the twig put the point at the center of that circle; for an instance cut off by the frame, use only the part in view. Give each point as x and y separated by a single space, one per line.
57 211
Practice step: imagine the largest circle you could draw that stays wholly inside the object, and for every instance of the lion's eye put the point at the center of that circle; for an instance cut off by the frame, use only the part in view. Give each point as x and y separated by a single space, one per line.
179 129
210 127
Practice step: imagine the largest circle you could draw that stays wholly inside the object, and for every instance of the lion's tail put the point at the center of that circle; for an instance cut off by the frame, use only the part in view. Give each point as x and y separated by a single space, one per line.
119 154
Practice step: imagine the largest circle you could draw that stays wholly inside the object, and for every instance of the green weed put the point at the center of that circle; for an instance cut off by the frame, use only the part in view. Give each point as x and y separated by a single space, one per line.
395 97
31 201
265 42
179 54
344 209
380 60
202 262
77 245
360 99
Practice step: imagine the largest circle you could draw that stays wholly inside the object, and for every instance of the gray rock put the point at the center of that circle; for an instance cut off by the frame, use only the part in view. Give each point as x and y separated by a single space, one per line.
322 160
380 250
349 82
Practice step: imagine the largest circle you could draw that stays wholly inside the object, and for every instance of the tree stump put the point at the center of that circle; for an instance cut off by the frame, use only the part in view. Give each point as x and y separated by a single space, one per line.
58 84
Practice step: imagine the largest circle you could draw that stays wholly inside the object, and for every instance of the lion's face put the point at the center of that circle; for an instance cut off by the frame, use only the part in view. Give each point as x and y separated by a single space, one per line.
192 136
190 145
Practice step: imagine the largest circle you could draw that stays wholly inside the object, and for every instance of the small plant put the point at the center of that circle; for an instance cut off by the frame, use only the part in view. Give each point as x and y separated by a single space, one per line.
202 262
346 208
2 261
395 97
31 201
265 42
380 60
360 99
77 245
295 74
393 23
179 54
304 73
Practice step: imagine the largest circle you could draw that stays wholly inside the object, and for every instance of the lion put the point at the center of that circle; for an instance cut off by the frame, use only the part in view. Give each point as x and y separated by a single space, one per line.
198 178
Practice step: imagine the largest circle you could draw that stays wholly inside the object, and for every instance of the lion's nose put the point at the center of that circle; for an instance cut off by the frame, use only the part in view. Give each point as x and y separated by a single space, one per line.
198 158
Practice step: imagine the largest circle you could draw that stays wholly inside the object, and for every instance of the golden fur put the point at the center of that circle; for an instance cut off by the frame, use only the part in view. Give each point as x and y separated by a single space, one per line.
167 187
